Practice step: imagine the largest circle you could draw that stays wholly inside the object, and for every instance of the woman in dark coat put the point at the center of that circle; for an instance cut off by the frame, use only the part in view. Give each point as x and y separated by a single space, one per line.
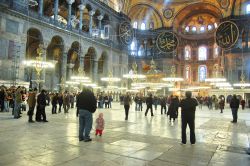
222 105
173 108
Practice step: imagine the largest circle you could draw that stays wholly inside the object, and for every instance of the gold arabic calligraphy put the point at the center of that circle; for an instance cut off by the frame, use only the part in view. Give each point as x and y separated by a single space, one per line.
167 42
227 35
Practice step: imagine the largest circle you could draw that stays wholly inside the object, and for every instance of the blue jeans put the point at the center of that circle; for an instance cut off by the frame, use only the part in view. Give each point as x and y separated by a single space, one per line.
17 109
85 124
6 106
235 114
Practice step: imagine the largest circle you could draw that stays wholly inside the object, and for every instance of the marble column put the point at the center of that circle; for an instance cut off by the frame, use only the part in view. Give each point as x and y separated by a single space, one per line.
81 55
81 8
40 9
145 47
100 17
94 70
63 66
56 10
91 13
70 70
70 2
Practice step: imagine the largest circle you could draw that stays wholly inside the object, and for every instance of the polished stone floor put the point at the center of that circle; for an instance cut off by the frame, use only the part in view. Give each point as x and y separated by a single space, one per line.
149 141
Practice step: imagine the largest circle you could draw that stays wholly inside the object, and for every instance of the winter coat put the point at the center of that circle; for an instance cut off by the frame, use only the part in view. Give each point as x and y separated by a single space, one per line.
99 123
32 99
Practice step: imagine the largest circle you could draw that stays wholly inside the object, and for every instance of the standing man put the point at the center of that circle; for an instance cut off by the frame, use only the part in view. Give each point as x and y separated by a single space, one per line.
86 103
234 105
17 103
149 102
41 104
127 102
54 102
188 107
163 105
66 102
32 103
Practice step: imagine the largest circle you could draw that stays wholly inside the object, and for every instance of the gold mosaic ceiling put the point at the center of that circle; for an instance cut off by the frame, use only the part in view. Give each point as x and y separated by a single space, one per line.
172 12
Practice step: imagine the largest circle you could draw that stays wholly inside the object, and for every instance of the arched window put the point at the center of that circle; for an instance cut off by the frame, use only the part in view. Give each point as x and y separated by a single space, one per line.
248 9
215 25
202 29
216 50
187 53
151 25
143 26
209 27
135 25
202 73
202 56
141 51
194 29
187 29
133 47
187 73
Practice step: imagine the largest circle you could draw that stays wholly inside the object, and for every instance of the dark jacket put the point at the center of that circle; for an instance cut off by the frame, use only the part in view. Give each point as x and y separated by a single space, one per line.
41 99
173 107
235 103
60 100
149 101
188 107
54 100
86 100
127 100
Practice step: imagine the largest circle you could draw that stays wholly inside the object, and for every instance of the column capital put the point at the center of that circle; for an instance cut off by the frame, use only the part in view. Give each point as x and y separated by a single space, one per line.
91 13
100 17
81 7
70 2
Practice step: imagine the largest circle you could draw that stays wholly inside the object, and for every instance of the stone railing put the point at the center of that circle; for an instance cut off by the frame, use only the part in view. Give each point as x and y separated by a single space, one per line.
25 11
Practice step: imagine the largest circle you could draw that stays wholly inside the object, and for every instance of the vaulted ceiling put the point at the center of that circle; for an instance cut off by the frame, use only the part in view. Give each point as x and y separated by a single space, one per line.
167 13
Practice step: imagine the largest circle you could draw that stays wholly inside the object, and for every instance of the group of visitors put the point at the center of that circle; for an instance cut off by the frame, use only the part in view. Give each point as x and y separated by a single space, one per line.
104 100
86 104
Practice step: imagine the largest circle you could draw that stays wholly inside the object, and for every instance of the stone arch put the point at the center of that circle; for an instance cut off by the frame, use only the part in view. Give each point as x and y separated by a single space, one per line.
55 53
103 64
194 8
73 57
145 12
90 66
34 38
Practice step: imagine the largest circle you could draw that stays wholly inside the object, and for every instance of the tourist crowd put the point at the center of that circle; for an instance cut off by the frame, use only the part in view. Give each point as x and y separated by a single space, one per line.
16 99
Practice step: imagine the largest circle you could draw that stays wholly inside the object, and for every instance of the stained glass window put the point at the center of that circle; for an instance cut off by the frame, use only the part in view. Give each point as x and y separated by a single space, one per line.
202 73
187 52
143 26
202 53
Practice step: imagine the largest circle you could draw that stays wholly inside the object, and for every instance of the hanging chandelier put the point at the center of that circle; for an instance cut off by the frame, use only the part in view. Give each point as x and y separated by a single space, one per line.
173 77
110 78
133 73
80 77
217 76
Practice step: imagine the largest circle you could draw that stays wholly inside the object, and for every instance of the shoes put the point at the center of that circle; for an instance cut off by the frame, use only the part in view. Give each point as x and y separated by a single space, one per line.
45 121
183 143
88 140
31 121
233 122
80 139
152 115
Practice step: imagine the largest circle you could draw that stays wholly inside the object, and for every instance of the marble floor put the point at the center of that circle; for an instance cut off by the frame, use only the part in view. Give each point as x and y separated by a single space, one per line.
140 141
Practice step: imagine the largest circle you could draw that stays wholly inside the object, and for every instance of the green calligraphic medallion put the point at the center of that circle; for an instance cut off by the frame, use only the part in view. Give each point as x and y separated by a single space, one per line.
227 34
126 33
167 42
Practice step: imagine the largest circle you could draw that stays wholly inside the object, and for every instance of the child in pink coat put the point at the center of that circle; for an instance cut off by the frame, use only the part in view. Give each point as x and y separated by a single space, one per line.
99 124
